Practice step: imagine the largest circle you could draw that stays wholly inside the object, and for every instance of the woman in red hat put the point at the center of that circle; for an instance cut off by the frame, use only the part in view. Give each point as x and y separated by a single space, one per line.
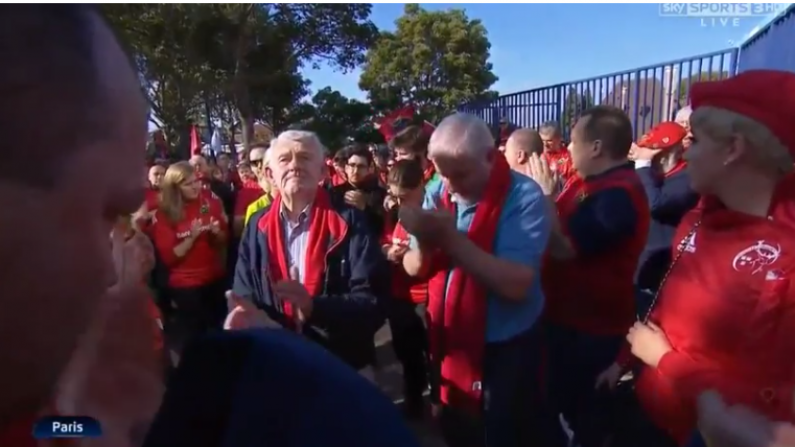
724 317
660 165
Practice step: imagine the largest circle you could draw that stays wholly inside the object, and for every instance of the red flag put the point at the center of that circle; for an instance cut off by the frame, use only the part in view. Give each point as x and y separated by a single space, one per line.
195 142
393 123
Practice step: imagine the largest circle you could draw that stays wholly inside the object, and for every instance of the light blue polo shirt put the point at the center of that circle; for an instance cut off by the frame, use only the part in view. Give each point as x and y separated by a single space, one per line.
522 236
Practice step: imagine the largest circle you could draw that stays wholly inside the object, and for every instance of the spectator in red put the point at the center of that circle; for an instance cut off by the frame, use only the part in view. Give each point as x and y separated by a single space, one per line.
211 183
555 153
723 318
407 304
412 143
246 174
599 233
189 234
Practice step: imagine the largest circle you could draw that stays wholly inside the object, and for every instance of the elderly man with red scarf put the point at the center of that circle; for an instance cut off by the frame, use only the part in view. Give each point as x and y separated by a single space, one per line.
479 237
308 263
724 316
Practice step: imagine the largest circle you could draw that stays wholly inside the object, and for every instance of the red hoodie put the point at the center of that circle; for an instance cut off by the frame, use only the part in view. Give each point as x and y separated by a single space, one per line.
728 310
403 285
204 262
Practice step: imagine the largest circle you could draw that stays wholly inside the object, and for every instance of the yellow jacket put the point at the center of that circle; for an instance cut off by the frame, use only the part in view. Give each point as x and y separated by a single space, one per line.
257 205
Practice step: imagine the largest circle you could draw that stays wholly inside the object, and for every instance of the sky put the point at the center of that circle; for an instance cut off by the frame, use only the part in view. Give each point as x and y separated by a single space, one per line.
535 45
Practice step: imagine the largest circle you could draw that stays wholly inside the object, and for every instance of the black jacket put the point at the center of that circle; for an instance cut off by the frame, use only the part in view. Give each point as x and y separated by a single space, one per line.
347 313
669 200
374 210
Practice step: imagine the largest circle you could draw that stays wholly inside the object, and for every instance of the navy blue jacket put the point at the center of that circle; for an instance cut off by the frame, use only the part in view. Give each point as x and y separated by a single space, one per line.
669 200
272 388
347 313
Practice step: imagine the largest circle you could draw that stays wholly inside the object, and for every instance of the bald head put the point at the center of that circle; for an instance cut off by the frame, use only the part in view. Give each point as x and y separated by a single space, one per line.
461 134
527 141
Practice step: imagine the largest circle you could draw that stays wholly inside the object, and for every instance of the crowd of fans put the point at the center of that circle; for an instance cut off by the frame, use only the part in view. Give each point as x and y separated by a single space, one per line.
604 292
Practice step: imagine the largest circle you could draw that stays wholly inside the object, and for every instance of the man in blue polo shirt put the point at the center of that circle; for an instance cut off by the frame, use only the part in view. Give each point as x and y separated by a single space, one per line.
479 239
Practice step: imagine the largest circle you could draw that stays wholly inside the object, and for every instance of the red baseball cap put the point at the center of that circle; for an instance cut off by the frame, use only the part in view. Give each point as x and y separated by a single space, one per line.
663 136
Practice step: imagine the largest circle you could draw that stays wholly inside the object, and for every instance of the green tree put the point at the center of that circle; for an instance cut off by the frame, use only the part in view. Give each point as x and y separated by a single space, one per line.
575 103
586 99
704 76
337 119
257 49
435 60
159 38
570 109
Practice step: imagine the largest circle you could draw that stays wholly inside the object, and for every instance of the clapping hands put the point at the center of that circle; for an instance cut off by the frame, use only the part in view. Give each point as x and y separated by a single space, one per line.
428 226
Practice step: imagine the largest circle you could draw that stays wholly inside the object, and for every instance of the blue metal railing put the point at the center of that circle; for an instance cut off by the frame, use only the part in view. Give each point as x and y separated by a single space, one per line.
648 94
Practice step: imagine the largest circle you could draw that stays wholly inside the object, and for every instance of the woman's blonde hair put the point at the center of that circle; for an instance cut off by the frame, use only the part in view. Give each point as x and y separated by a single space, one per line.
720 124
171 201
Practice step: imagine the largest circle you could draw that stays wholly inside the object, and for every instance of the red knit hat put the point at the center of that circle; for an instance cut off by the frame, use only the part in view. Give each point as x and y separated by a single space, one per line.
663 136
767 96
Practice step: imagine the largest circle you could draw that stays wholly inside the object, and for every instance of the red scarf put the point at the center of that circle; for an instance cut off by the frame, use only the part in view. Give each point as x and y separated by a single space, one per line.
457 332
429 172
326 230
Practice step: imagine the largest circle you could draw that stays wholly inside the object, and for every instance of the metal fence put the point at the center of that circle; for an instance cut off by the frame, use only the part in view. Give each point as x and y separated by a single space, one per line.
648 94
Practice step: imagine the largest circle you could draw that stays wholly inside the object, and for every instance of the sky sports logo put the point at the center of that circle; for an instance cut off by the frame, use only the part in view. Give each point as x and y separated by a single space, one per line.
721 10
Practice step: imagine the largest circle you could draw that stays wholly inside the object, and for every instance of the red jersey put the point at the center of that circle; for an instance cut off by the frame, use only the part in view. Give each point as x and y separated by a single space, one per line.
559 161
596 294
151 198
204 262
247 195
728 310
403 285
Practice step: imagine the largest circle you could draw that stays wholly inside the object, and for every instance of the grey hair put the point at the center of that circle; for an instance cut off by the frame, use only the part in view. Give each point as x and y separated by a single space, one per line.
305 138
683 114
460 134
550 127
